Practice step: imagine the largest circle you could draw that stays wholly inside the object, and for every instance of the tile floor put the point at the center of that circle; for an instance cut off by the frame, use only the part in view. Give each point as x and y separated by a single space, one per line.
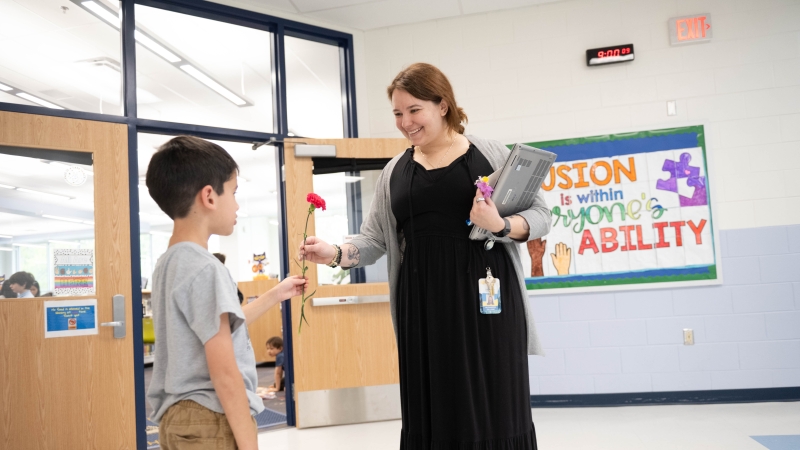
753 426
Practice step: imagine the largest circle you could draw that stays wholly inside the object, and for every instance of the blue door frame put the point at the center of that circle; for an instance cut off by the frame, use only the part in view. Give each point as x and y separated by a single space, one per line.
280 28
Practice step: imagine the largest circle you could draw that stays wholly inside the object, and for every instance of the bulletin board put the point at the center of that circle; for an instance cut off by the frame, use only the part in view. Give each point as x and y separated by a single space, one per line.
629 210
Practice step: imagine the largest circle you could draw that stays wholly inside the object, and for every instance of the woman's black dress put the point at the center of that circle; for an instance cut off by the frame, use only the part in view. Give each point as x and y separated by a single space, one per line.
463 374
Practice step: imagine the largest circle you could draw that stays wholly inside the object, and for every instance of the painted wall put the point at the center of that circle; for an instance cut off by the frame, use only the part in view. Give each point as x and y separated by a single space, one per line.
521 76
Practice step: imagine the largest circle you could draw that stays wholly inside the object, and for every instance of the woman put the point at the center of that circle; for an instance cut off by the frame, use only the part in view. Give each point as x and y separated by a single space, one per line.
463 374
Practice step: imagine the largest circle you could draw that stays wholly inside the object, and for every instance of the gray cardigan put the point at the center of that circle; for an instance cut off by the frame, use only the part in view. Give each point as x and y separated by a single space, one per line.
379 233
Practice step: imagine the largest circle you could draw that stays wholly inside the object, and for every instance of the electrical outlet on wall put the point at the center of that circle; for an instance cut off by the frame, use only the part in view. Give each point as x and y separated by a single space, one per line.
688 336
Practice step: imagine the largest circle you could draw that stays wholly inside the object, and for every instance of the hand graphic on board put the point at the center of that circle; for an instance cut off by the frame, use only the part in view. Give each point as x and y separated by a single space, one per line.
561 258
536 249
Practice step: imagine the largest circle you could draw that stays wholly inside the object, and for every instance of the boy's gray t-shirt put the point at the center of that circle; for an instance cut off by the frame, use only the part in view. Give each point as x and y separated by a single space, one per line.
191 289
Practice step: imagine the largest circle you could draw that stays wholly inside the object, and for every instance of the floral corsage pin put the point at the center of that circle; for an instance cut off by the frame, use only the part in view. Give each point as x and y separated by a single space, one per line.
483 184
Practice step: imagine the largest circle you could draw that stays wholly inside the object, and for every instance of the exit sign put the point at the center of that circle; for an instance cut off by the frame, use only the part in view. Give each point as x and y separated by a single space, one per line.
690 29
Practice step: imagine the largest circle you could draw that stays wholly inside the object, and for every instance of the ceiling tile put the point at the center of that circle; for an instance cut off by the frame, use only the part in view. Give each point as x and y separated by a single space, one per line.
260 5
306 6
389 12
480 6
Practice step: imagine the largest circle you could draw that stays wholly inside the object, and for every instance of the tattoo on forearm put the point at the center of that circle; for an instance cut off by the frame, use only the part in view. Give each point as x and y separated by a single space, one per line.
525 224
352 259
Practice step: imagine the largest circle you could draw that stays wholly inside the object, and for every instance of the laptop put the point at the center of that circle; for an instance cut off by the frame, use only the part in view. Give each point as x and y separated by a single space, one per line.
516 184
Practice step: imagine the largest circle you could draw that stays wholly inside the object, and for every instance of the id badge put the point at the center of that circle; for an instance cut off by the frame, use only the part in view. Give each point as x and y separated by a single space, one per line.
489 293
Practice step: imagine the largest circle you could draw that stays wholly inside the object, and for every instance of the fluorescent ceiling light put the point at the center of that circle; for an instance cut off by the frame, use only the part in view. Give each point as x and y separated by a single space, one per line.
216 87
103 13
65 219
152 43
68 219
64 242
6 249
155 47
29 191
3 87
28 245
5 186
5 237
37 100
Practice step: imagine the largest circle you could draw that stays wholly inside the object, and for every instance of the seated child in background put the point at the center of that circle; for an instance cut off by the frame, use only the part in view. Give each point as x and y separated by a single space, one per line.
275 349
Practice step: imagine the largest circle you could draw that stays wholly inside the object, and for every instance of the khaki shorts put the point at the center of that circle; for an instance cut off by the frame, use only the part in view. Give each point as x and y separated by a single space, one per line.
187 425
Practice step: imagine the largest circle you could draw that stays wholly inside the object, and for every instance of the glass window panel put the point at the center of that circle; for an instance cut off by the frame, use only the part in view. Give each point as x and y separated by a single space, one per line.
43 214
256 231
203 72
61 54
313 89
347 195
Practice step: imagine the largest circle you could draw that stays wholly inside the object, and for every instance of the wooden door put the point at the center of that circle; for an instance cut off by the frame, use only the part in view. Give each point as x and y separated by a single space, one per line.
73 392
345 361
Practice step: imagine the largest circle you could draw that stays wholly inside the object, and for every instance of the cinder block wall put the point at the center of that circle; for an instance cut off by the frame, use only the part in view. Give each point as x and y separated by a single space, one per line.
521 76
747 331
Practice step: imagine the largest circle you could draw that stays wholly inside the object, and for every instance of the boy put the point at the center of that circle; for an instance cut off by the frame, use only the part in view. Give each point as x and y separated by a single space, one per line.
20 283
204 376
275 349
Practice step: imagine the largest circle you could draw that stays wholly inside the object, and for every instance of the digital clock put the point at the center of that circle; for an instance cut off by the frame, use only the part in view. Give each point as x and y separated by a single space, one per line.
609 55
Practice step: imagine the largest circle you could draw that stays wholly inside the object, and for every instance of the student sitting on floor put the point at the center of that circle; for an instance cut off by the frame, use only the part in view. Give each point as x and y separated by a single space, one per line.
275 349
203 388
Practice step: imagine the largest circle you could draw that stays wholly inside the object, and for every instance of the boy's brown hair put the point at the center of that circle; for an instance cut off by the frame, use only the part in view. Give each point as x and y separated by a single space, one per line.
182 167
23 279
275 342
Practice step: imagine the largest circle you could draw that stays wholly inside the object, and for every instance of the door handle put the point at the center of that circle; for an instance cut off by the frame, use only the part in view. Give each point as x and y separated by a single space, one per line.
118 305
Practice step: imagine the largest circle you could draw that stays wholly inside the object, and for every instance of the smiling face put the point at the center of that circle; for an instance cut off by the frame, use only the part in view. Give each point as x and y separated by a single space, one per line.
421 121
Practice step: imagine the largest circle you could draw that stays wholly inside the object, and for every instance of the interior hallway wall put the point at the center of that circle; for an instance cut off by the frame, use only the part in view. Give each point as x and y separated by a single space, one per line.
521 76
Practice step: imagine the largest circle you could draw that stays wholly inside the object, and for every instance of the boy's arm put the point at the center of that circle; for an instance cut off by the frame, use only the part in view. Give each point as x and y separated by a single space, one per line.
286 289
278 377
229 385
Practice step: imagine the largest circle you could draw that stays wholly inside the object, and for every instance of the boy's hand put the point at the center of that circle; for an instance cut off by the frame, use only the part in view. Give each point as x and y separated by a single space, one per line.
289 287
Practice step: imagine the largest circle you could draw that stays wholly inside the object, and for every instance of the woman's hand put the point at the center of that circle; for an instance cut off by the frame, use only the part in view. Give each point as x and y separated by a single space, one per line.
289 287
316 251
484 214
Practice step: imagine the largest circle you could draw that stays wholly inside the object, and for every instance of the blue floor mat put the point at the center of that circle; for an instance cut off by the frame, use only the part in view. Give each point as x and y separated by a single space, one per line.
267 418
152 434
782 442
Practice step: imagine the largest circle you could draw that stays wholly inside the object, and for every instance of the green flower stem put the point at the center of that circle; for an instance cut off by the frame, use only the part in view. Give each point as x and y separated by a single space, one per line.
304 267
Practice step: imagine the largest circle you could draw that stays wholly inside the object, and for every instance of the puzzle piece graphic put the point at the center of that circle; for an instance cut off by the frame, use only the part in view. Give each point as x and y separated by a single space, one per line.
683 170
684 188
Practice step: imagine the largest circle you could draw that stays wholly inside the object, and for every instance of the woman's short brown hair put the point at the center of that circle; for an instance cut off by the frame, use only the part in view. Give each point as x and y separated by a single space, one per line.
426 82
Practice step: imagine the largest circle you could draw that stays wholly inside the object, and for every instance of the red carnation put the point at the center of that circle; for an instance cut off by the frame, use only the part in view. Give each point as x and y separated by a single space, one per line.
316 200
